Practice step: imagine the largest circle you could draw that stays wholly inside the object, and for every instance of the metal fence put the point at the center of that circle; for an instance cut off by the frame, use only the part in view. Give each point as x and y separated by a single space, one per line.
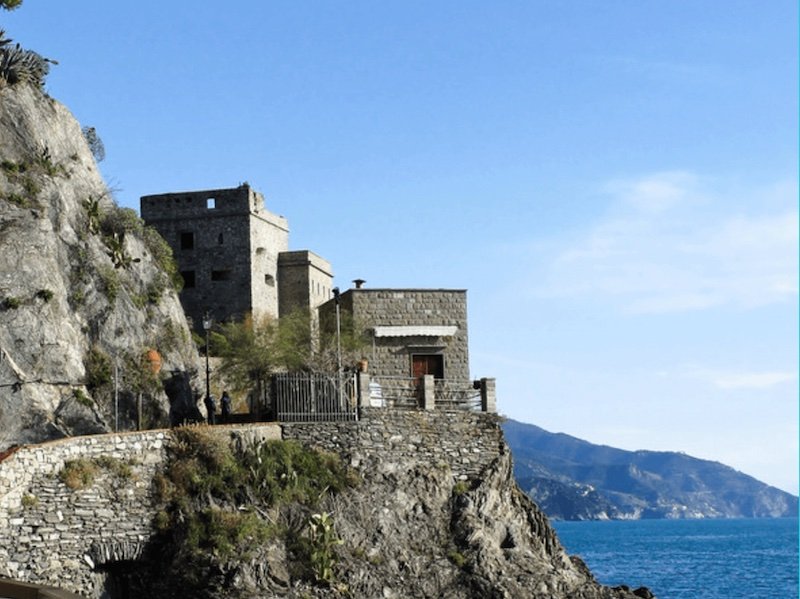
456 395
313 397
406 392
394 392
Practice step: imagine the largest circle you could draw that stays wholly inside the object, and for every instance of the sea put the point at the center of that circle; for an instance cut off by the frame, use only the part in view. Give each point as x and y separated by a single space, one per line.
683 559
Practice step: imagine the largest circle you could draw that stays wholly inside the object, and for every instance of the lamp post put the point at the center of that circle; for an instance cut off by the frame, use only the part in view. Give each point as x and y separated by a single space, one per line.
207 322
116 394
338 343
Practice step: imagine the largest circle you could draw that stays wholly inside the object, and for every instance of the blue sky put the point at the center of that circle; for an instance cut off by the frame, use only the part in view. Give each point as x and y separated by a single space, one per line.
614 182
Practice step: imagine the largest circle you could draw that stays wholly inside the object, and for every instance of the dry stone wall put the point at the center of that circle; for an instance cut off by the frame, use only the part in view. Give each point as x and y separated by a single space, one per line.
52 534
68 537
466 442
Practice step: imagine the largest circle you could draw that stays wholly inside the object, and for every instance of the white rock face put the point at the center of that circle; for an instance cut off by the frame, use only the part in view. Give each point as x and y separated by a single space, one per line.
60 293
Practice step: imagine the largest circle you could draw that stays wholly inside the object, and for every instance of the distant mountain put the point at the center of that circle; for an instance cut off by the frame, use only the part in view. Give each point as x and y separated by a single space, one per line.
572 479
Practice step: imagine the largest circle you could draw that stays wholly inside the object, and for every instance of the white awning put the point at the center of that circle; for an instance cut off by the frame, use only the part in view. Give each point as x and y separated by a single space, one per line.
415 331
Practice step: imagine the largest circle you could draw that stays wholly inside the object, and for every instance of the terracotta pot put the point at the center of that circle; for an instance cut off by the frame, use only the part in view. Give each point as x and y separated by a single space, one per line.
153 360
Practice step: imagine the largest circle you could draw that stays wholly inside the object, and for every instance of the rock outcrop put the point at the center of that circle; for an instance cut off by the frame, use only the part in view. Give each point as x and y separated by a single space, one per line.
83 289
412 514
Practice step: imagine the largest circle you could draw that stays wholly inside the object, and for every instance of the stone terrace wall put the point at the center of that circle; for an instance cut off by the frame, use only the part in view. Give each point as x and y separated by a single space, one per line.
51 534
465 441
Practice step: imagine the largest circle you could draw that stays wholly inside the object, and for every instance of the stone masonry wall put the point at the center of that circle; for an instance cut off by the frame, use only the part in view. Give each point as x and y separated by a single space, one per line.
305 281
234 254
402 307
467 442
392 356
51 534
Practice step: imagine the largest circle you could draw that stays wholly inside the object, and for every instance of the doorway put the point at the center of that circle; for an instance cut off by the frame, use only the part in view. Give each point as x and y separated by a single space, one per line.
422 364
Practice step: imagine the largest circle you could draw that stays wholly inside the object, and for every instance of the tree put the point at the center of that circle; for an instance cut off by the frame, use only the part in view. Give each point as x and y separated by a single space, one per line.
253 349
10 4
247 351
96 145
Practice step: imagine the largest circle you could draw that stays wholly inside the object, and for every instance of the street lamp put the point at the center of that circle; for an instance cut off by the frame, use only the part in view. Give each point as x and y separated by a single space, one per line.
207 322
338 343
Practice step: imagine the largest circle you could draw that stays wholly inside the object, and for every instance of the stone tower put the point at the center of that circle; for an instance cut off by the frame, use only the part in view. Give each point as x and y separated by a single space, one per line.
232 254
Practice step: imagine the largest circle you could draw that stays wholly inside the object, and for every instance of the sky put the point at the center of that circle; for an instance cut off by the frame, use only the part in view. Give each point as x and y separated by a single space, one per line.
614 182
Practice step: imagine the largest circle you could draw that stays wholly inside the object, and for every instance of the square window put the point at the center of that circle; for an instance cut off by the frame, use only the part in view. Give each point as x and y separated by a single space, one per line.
220 275
188 278
187 241
211 203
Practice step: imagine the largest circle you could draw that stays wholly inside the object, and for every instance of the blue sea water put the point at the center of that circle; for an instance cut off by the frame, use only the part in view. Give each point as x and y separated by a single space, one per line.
683 559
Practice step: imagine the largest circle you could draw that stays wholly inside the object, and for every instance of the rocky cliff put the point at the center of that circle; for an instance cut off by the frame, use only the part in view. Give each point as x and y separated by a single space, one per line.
403 504
85 289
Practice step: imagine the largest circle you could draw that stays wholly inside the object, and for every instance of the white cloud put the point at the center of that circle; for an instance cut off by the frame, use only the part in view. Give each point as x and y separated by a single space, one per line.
655 193
738 379
752 380
668 245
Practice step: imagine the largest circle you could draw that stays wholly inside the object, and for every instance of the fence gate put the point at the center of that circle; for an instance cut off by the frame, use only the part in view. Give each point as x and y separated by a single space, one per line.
313 397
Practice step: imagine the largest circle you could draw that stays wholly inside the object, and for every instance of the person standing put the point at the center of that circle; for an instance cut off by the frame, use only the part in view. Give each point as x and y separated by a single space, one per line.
226 407
211 408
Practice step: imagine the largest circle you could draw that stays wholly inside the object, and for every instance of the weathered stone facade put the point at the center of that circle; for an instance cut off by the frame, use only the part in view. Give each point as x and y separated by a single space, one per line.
411 325
233 255
226 245
304 281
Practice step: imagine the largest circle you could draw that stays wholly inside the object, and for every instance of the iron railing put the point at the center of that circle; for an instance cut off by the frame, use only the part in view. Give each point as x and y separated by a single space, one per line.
313 397
456 395
394 392
406 392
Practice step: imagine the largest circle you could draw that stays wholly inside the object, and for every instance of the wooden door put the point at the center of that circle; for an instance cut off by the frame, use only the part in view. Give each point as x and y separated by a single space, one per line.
422 364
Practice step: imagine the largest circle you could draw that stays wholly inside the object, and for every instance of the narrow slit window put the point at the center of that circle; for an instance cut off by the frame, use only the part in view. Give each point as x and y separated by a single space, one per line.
188 279
211 203
220 275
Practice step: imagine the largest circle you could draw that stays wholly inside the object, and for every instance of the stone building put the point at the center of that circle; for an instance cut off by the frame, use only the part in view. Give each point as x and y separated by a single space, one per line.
413 332
234 258
233 255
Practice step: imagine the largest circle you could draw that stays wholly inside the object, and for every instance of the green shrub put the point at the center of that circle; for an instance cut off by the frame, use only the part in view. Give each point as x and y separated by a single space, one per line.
120 468
17 199
120 221
457 558
44 162
18 65
82 398
324 539
205 484
460 488
110 282
77 298
163 256
221 532
78 474
12 168
11 303
99 368
45 295
29 501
